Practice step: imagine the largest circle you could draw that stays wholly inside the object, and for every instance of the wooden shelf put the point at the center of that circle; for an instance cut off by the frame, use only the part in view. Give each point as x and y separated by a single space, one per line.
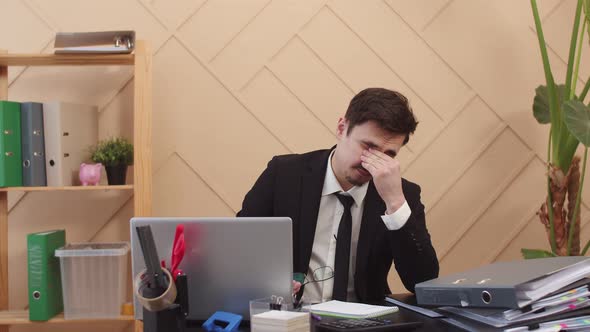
71 188
141 60
21 317
8 59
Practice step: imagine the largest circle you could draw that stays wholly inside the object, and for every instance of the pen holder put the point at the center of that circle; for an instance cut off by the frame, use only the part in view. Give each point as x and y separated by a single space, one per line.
258 306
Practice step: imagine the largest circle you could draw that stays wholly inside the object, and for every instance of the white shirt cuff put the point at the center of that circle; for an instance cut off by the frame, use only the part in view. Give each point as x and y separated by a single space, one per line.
397 219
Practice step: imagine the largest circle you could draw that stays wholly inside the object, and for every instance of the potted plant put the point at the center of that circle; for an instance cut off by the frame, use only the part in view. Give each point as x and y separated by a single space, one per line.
569 118
115 154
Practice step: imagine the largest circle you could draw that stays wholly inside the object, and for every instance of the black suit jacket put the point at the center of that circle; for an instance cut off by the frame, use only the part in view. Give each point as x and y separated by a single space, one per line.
291 186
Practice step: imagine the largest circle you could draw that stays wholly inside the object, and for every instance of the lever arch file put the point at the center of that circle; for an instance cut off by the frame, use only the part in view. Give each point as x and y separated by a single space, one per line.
33 145
504 284
95 42
70 132
11 172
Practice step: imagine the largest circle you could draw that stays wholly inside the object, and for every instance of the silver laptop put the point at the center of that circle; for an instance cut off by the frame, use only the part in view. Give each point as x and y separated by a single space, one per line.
228 261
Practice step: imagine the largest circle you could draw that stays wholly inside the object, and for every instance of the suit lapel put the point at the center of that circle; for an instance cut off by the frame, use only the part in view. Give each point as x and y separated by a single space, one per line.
312 183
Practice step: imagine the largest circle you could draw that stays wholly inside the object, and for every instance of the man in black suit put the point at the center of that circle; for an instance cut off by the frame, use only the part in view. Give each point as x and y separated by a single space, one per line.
352 212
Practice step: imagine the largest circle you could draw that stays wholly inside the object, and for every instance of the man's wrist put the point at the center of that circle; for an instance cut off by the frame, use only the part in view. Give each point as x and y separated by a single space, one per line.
395 204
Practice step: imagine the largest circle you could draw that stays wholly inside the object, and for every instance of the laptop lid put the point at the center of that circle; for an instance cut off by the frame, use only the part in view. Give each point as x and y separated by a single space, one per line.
228 261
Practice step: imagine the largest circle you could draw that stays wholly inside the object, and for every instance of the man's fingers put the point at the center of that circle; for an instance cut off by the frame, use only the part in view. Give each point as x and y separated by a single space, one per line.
372 159
369 167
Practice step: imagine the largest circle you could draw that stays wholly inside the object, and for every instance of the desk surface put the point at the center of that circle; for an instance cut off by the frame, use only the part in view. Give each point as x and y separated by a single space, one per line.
403 315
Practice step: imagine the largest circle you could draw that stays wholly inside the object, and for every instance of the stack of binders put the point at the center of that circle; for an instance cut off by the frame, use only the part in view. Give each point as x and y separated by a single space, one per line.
513 294
280 321
44 144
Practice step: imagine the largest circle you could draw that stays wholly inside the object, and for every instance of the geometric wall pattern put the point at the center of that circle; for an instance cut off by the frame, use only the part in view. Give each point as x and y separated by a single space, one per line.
237 82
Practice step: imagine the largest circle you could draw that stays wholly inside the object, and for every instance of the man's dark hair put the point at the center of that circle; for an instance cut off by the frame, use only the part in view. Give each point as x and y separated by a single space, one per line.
389 109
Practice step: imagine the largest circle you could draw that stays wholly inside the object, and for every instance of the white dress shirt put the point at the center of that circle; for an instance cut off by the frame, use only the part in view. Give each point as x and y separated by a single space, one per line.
324 243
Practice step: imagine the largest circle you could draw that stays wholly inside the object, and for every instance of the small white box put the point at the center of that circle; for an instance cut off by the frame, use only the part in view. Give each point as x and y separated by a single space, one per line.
94 279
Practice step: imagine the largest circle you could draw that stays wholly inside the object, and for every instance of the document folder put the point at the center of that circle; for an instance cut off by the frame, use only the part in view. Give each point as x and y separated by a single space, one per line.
105 42
33 145
504 284
70 132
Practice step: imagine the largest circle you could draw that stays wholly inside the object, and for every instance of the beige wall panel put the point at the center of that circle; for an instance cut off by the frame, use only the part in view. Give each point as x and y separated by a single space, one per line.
585 233
103 15
261 39
117 229
502 63
31 39
326 95
41 84
372 71
481 242
521 12
284 115
211 129
217 23
14 198
479 186
174 13
406 53
446 159
81 214
116 117
418 13
180 192
558 31
405 157
532 236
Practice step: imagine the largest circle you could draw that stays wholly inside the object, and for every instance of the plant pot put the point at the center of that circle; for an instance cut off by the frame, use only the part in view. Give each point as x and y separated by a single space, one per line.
116 174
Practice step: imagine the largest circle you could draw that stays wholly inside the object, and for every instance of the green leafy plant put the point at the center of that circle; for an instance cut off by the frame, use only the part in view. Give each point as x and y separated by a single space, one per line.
113 152
569 118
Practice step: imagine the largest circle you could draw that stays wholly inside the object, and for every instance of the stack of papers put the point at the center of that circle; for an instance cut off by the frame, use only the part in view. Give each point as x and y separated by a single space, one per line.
351 310
280 321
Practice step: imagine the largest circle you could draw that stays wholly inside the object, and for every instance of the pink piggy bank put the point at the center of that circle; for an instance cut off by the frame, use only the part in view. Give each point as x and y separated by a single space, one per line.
90 174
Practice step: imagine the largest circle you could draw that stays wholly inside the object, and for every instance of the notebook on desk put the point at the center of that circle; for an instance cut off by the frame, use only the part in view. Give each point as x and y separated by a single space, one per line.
228 261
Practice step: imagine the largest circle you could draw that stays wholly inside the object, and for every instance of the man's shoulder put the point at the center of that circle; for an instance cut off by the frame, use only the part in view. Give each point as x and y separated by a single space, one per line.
299 159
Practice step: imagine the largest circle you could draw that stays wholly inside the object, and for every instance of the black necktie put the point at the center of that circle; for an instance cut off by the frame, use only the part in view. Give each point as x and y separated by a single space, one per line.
342 258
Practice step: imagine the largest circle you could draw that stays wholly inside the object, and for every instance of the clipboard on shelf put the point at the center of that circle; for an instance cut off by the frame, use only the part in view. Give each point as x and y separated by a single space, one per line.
98 42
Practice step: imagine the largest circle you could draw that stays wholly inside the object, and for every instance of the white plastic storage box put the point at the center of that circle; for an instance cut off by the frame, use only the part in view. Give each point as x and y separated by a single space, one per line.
93 278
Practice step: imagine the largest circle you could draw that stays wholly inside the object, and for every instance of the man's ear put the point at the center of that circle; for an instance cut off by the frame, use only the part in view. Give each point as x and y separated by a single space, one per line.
342 128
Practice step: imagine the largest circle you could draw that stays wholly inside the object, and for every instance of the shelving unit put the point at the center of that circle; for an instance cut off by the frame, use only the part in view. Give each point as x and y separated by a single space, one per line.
141 60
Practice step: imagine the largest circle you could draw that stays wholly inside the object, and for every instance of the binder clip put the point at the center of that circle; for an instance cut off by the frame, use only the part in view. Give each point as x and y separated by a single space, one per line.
222 321
276 302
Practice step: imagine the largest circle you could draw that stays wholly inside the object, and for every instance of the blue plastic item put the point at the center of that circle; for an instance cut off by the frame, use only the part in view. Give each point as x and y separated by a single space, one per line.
222 321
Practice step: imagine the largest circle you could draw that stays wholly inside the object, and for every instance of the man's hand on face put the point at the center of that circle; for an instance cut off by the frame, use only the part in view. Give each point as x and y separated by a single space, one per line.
386 174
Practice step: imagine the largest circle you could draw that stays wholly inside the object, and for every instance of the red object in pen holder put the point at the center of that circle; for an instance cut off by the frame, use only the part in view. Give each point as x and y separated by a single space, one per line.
178 248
